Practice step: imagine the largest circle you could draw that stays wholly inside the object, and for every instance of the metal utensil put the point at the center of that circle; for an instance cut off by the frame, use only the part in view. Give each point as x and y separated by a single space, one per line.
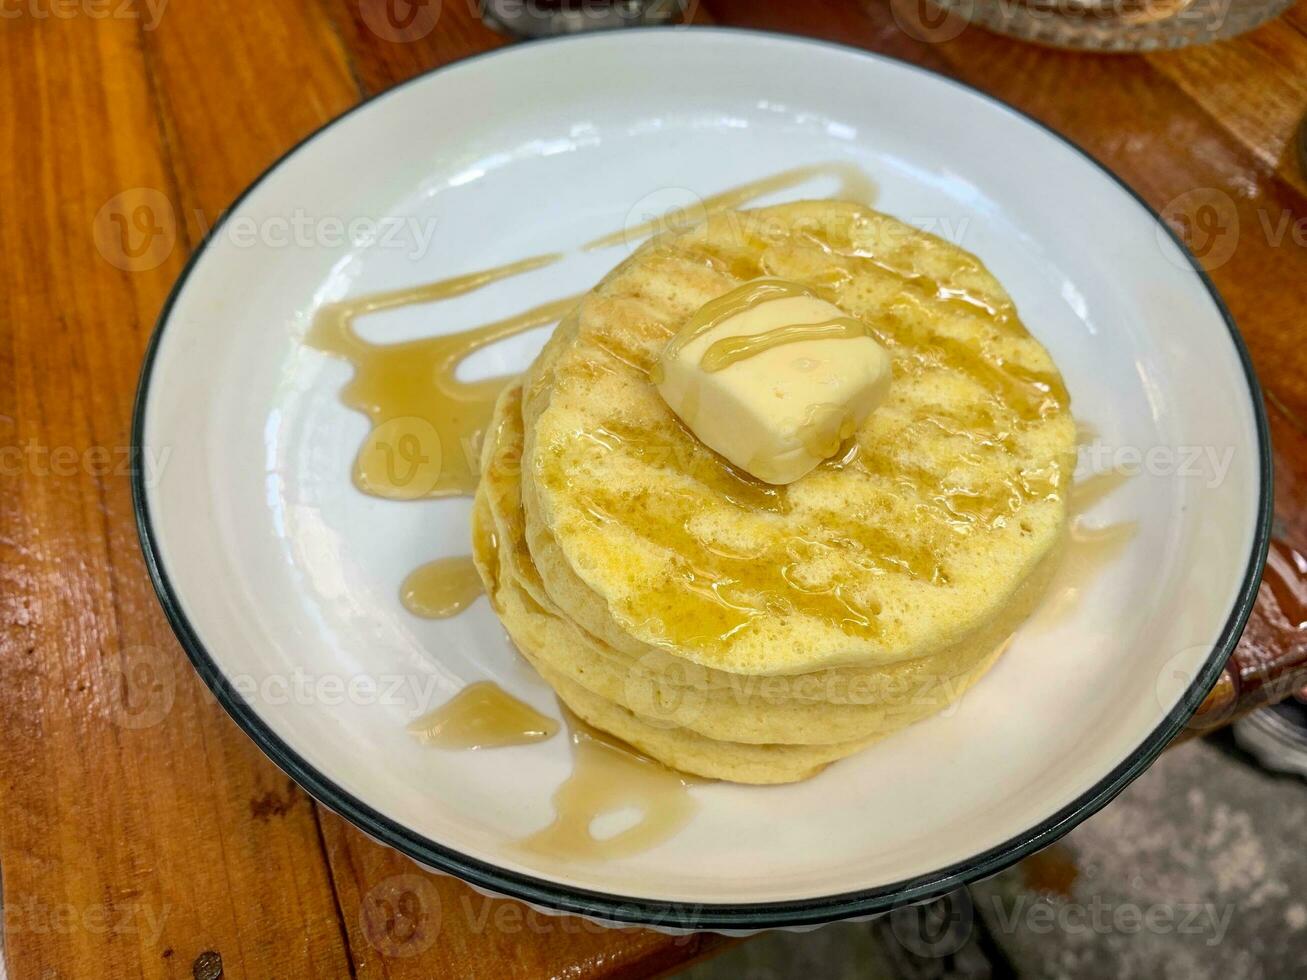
546 18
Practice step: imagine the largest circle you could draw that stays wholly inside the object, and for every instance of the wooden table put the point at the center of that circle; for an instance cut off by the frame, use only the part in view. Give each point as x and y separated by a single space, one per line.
141 834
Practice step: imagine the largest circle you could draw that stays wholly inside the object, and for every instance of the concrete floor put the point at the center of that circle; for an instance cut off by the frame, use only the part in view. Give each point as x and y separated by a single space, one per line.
1198 870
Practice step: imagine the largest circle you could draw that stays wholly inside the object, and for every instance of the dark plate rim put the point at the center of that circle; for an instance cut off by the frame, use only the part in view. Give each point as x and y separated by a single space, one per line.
686 915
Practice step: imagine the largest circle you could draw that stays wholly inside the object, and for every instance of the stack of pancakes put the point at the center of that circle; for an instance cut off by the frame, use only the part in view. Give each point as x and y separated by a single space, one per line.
750 632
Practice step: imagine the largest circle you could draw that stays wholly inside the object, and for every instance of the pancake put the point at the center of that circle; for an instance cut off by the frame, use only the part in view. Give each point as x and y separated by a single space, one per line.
826 707
751 632
947 502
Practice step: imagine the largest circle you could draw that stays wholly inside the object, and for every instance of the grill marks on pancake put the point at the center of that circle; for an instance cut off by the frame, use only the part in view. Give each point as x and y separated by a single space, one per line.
677 451
969 495
1031 394
719 589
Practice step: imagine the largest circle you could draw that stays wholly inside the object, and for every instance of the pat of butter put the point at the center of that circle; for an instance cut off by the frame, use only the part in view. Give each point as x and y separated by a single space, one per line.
773 378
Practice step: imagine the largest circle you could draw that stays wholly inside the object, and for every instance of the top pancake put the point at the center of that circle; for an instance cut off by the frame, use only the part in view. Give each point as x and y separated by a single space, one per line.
914 537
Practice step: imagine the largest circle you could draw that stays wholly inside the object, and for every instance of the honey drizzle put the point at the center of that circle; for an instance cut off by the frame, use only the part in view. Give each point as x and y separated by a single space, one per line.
483 716
441 588
720 592
609 776
854 185
427 424
692 458
959 299
716 311
721 354
717 592
1033 394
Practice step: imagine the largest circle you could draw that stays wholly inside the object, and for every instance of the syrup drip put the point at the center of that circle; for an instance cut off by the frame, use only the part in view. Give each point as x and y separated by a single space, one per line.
483 716
609 777
731 350
441 588
1087 550
717 311
427 425
1092 489
855 185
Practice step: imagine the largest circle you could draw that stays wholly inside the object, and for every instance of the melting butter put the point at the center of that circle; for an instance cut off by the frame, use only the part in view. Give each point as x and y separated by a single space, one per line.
483 716
725 307
779 418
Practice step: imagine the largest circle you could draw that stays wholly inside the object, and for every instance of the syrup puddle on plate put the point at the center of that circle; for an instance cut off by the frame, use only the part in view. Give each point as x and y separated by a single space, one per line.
610 781
483 716
427 424
441 588
1087 550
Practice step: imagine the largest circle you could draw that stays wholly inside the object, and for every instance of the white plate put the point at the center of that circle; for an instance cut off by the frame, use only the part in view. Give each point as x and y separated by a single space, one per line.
282 580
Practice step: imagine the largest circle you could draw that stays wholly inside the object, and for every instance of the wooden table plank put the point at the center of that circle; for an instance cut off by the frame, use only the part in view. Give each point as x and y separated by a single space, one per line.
128 844
233 101
389 44
1255 87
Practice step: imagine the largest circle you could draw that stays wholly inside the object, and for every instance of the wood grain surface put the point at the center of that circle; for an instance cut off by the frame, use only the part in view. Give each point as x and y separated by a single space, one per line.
141 834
